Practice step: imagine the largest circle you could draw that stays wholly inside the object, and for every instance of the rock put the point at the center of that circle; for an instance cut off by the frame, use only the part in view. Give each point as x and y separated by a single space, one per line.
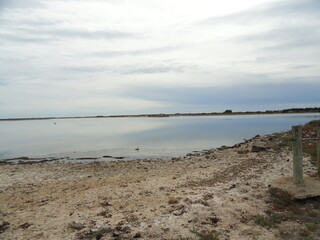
207 196
201 201
286 190
25 225
179 211
105 214
256 148
137 235
105 204
4 226
242 151
173 201
115 235
76 226
214 220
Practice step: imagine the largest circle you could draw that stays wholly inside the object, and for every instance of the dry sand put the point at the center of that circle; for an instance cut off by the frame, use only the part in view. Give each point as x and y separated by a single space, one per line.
222 190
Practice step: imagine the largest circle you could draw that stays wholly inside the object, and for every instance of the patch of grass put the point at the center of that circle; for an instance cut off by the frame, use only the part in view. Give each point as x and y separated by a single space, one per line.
213 235
309 238
96 234
286 141
263 221
207 235
183 238
312 226
314 122
269 221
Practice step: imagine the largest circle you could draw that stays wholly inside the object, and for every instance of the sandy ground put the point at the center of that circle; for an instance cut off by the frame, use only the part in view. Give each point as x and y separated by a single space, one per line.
222 190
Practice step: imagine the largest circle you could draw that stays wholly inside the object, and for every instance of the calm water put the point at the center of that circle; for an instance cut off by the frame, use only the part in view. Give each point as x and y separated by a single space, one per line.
118 137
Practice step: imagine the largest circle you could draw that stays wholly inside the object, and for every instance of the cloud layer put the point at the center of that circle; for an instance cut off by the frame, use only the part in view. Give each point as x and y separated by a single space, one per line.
65 58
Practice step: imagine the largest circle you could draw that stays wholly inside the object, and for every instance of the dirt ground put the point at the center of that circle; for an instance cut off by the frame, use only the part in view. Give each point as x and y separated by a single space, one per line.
223 191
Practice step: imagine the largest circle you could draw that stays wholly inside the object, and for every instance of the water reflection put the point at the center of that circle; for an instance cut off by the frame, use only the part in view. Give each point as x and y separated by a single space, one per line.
156 137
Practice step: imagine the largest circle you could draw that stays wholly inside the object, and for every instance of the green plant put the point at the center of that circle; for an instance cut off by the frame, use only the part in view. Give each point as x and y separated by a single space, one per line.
269 221
286 141
314 122
183 238
98 234
213 235
309 238
311 226
263 221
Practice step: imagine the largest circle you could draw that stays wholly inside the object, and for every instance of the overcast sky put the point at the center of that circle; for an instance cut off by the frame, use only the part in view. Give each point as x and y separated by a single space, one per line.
101 57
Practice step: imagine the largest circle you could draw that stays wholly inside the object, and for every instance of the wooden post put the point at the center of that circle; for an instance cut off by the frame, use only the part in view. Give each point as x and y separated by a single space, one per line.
297 154
318 151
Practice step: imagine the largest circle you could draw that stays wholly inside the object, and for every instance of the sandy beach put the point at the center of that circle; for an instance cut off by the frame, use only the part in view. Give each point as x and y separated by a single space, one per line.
222 191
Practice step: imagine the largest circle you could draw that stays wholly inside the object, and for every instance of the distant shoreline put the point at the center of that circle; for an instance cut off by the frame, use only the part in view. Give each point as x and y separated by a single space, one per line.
225 113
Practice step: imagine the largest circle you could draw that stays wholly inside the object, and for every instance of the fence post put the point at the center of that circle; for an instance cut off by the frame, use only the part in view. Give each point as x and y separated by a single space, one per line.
318 151
297 154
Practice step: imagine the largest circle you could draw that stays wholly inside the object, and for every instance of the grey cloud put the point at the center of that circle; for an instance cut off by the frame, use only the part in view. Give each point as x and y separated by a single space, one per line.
301 66
249 94
271 12
129 69
55 34
3 82
148 51
88 69
24 39
283 38
80 33
176 68
150 70
4 4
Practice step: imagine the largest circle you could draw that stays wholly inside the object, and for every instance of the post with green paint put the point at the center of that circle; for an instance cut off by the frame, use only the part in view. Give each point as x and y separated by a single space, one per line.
297 154
318 151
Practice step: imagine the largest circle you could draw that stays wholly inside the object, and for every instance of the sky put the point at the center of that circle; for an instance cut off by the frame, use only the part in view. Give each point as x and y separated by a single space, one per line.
104 57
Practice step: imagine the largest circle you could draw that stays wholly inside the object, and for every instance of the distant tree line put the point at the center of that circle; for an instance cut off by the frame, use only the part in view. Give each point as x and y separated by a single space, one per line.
314 109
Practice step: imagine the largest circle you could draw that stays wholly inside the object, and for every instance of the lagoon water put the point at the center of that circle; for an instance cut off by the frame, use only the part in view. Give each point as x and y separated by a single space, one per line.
118 137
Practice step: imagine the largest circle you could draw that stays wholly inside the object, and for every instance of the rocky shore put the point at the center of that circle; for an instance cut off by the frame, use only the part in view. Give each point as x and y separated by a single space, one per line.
222 193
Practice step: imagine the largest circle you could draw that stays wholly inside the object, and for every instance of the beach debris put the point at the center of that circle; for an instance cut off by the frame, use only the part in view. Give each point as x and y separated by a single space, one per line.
257 148
87 158
108 156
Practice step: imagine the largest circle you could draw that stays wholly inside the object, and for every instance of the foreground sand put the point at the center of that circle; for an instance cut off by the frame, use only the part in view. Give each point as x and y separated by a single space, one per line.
221 190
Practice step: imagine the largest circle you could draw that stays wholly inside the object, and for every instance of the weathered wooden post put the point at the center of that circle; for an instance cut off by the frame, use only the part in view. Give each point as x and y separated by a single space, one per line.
297 154
318 151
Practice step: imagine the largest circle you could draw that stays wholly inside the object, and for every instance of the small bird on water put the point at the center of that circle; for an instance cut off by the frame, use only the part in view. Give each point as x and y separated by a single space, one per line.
137 148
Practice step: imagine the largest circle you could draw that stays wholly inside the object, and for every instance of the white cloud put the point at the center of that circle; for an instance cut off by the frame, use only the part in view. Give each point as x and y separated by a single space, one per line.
50 47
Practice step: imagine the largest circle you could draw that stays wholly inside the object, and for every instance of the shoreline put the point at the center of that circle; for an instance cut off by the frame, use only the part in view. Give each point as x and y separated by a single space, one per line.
222 190
160 115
